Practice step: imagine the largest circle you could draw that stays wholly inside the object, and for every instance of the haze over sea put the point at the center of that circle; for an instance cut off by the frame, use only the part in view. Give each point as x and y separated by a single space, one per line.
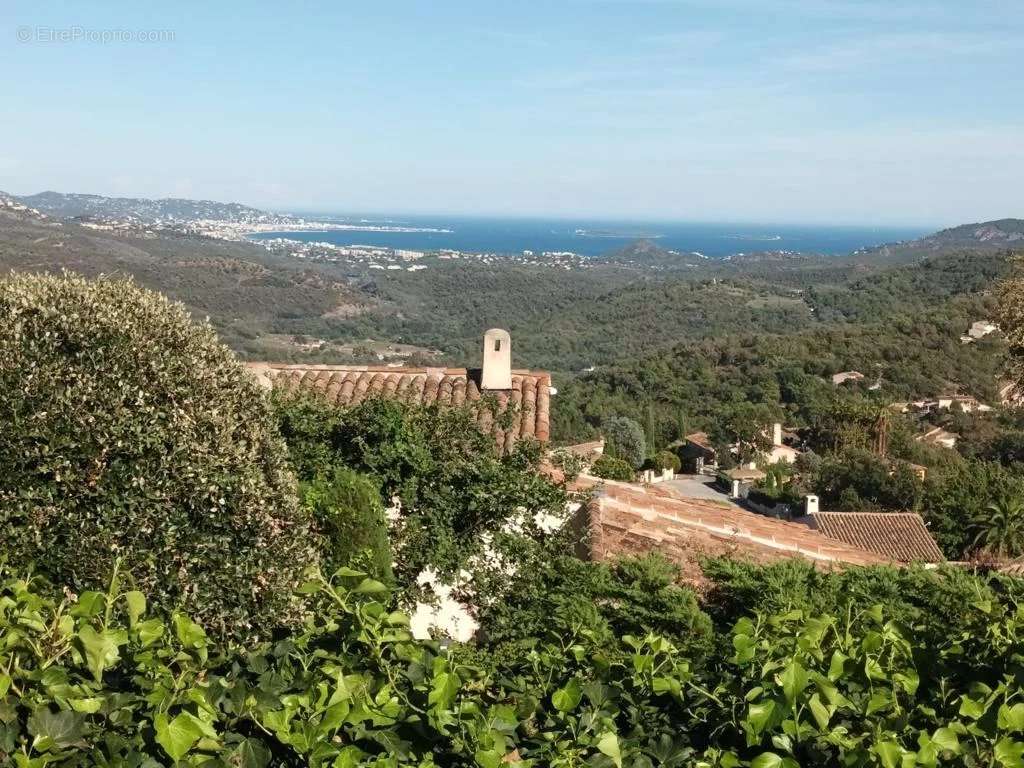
591 237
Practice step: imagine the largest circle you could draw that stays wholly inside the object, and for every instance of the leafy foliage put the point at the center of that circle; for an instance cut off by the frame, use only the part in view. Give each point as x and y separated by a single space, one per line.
128 431
611 468
94 680
349 515
454 491
624 439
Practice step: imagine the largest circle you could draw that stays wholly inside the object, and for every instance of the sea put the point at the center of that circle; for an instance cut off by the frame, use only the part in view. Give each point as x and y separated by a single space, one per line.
589 237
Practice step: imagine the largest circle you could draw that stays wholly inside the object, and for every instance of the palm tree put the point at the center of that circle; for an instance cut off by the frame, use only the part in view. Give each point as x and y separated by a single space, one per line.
1000 528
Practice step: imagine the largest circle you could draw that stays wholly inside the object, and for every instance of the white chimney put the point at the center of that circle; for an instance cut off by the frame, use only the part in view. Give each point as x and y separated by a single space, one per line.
776 434
810 504
497 360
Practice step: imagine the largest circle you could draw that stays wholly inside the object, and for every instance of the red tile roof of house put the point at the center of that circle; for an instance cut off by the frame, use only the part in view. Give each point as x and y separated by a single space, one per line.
528 400
1014 568
902 536
631 520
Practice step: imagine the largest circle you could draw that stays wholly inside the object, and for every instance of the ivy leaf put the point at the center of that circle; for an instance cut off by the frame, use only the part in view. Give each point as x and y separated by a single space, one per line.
1011 718
88 605
101 648
369 587
971 708
889 753
608 745
822 714
443 690
136 604
250 754
759 715
793 680
837 666
178 735
1010 753
567 698
946 740
766 760
55 730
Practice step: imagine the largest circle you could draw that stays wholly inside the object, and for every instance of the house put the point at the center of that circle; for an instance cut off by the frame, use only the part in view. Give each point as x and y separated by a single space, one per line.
740 480
627 519
845 376
965 403
1010 394
981 328
508 404
780 450
899 536
696 452
938 436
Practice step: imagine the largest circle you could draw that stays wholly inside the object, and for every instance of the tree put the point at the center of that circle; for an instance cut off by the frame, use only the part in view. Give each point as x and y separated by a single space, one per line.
348 511
999 530
128 432
625 440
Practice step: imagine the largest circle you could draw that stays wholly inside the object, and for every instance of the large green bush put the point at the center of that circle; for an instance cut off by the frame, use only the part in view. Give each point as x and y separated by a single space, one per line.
346 506
624 439
611 468
127 430
456 493
94 681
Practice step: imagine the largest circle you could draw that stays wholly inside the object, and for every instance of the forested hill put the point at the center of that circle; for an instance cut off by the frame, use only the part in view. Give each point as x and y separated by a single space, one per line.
1000 234
63 205
901 327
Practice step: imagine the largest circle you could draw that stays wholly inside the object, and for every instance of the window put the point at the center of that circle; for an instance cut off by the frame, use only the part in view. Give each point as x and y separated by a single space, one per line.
497 345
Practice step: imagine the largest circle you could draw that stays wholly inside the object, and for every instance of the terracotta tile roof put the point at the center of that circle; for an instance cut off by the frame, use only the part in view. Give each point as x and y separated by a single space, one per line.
1014 568
631 520
902 536
343 385
590 450
701 439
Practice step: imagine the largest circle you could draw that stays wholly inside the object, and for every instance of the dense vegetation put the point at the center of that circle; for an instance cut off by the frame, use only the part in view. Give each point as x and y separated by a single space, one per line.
120 419
113 448
95 680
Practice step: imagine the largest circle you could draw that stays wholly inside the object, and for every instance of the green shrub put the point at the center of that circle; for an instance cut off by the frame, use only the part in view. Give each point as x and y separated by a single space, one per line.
624 439
455 490
126 430
93 680
630 596
610 468
668 460
349 515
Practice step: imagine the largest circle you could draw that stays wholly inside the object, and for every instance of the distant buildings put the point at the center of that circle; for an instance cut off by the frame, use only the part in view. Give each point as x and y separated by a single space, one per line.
845 376
938 436
978 330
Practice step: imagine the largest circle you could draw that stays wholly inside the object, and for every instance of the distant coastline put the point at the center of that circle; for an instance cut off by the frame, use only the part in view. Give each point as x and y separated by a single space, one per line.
500 236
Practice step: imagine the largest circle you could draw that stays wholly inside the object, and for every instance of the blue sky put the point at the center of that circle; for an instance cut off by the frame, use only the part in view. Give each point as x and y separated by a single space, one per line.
846 111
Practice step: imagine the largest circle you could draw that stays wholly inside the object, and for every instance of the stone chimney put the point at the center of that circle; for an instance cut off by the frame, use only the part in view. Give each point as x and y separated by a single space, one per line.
776 434
497 361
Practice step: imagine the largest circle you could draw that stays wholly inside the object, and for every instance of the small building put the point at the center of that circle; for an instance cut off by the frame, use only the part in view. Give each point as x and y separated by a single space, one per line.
981 328
938 436
696 453
845 376
508 404
899 536
782 448
966 403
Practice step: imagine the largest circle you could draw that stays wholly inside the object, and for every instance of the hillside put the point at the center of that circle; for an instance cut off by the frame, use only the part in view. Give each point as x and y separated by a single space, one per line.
247 294
999 234
143 210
